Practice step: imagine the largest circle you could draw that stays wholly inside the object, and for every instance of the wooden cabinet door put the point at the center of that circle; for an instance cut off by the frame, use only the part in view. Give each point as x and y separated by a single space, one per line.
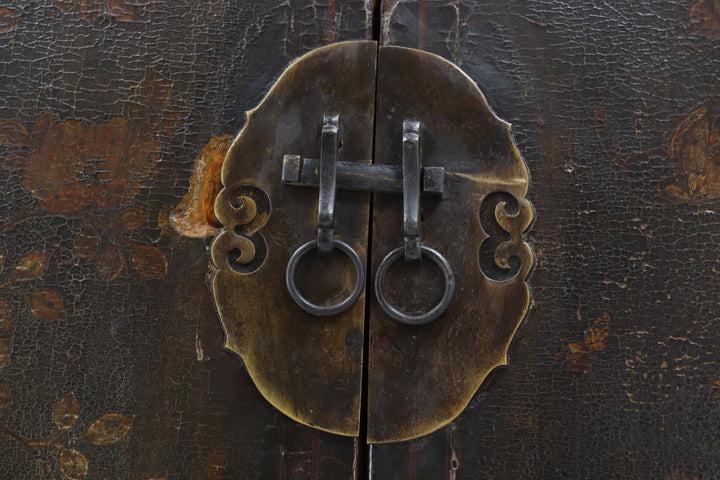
614 108
111 358
111 348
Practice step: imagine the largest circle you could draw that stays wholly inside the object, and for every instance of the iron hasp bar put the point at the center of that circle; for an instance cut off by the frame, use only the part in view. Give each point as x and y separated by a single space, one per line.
360 177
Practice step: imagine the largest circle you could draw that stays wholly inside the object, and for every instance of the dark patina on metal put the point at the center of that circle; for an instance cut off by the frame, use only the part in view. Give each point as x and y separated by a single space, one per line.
433 370
449 192
309 367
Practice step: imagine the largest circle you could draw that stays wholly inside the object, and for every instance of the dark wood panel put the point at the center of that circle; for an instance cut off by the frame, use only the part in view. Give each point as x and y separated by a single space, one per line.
104 107
614 371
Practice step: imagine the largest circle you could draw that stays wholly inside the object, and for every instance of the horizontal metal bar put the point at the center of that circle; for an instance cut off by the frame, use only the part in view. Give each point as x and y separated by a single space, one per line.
365 177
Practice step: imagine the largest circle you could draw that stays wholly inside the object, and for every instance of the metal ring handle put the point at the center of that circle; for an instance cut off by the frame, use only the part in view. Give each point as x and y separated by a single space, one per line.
325 311
431 314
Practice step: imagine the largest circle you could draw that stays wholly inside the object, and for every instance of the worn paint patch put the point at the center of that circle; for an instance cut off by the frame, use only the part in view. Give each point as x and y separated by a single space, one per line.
95 173
695 155
91 10
715 383
8 20
216 462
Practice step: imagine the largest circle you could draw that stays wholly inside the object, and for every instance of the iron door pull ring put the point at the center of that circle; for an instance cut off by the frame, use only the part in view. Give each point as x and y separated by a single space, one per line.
416 180
326 242
413 249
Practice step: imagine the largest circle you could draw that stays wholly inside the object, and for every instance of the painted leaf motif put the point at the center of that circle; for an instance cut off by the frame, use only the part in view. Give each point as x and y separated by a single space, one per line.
73 465
41 127
130 218
8 20
5 397
65 5
91 9
5 316
31 266
46 305
157 89
121 10
137 113
108 429
148 260
15 134
15 160
86 246
66 412
175 123
110 263
705 17
5 350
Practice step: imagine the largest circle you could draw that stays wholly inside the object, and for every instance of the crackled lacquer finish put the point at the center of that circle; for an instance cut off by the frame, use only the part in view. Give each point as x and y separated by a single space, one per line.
307 366
112 363
420 377
614 372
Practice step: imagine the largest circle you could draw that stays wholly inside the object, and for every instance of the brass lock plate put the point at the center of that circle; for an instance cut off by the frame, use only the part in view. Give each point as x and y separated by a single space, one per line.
448 194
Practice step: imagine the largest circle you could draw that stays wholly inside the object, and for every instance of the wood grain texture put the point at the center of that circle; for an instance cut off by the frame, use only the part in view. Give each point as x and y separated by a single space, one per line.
111 350
614 372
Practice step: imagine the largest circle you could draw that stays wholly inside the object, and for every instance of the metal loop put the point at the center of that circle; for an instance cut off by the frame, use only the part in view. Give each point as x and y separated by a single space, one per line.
319 310
431 314
412 162
328 183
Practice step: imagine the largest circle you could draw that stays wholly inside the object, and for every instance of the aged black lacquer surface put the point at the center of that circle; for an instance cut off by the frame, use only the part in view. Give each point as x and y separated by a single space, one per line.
614 373
110 349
